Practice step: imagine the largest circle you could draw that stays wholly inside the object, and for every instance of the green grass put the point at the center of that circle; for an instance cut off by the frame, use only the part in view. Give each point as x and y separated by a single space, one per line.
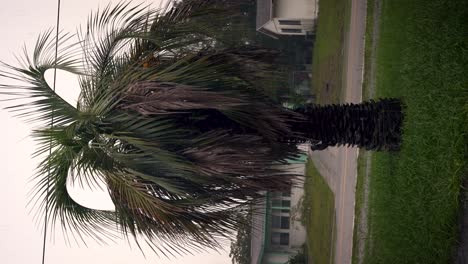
360 182
319 217
366 93
422 57
328 53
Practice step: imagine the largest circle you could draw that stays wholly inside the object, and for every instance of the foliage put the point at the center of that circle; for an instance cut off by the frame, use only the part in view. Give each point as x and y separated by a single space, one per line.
300 257
240 247
235 28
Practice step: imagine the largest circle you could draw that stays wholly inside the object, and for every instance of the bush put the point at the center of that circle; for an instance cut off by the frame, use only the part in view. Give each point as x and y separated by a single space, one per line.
299 258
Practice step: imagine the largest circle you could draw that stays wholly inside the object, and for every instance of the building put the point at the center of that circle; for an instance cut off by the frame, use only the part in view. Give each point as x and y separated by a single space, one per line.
277 231
286 17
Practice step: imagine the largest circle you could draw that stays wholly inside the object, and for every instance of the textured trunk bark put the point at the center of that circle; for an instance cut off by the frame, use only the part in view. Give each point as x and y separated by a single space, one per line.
373 125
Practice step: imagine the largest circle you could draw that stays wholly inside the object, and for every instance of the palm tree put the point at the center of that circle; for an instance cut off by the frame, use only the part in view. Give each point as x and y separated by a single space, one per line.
173 120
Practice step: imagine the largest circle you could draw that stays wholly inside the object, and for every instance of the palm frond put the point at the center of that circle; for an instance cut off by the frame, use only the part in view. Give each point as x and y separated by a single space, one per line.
149 98
34 98
75 219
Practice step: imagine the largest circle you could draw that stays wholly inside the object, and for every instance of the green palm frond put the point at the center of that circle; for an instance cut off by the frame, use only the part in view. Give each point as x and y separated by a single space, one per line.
169 116
81 221
37 100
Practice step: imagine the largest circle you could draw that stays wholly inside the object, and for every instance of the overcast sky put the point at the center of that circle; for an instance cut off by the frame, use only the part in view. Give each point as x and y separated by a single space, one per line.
20 237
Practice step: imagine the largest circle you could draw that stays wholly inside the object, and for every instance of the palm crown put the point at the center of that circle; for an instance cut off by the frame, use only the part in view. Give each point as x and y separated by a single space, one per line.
168 116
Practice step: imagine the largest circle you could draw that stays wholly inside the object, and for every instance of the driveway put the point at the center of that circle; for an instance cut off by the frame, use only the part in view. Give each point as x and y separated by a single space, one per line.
339 165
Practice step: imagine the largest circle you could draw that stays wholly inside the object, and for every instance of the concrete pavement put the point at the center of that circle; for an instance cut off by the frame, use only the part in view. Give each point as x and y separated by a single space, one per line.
339 165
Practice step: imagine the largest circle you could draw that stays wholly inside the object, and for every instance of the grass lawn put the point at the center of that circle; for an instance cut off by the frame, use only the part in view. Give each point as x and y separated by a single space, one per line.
328 53
360 200
422 57
319 217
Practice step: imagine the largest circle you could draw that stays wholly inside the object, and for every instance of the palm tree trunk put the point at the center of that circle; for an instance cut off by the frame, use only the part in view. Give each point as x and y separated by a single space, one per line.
373 125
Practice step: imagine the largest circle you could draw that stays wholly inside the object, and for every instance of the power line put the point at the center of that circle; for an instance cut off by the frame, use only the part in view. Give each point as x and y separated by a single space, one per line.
51 125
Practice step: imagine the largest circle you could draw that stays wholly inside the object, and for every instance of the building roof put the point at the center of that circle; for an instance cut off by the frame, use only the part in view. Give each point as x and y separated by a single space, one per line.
264 12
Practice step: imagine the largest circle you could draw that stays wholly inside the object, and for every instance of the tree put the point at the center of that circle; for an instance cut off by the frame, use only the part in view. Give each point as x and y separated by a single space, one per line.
177 127
240 247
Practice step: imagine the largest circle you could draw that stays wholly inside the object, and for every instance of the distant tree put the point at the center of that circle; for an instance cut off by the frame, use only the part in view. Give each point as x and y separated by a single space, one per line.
235 27
240 247
300 257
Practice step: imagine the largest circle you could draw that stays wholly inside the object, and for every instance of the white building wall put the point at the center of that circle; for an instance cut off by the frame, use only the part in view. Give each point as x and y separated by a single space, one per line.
275 258
297 231
307 25
302 9
271 26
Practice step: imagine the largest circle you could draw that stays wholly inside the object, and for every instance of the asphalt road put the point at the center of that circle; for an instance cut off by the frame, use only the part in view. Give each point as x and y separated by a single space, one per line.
339 165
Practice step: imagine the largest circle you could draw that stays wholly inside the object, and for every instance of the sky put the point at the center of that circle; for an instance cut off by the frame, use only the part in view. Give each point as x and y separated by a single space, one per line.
20 236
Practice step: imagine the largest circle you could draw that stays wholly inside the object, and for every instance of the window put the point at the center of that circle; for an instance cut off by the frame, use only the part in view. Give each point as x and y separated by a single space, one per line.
284 239
280 204
280 239
280 211
291 30
285 193
289 22
285 222
275 221
280 222
276 212
276 202
276 194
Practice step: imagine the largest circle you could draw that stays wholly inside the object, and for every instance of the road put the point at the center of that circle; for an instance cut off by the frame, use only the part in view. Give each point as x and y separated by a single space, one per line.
339 165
